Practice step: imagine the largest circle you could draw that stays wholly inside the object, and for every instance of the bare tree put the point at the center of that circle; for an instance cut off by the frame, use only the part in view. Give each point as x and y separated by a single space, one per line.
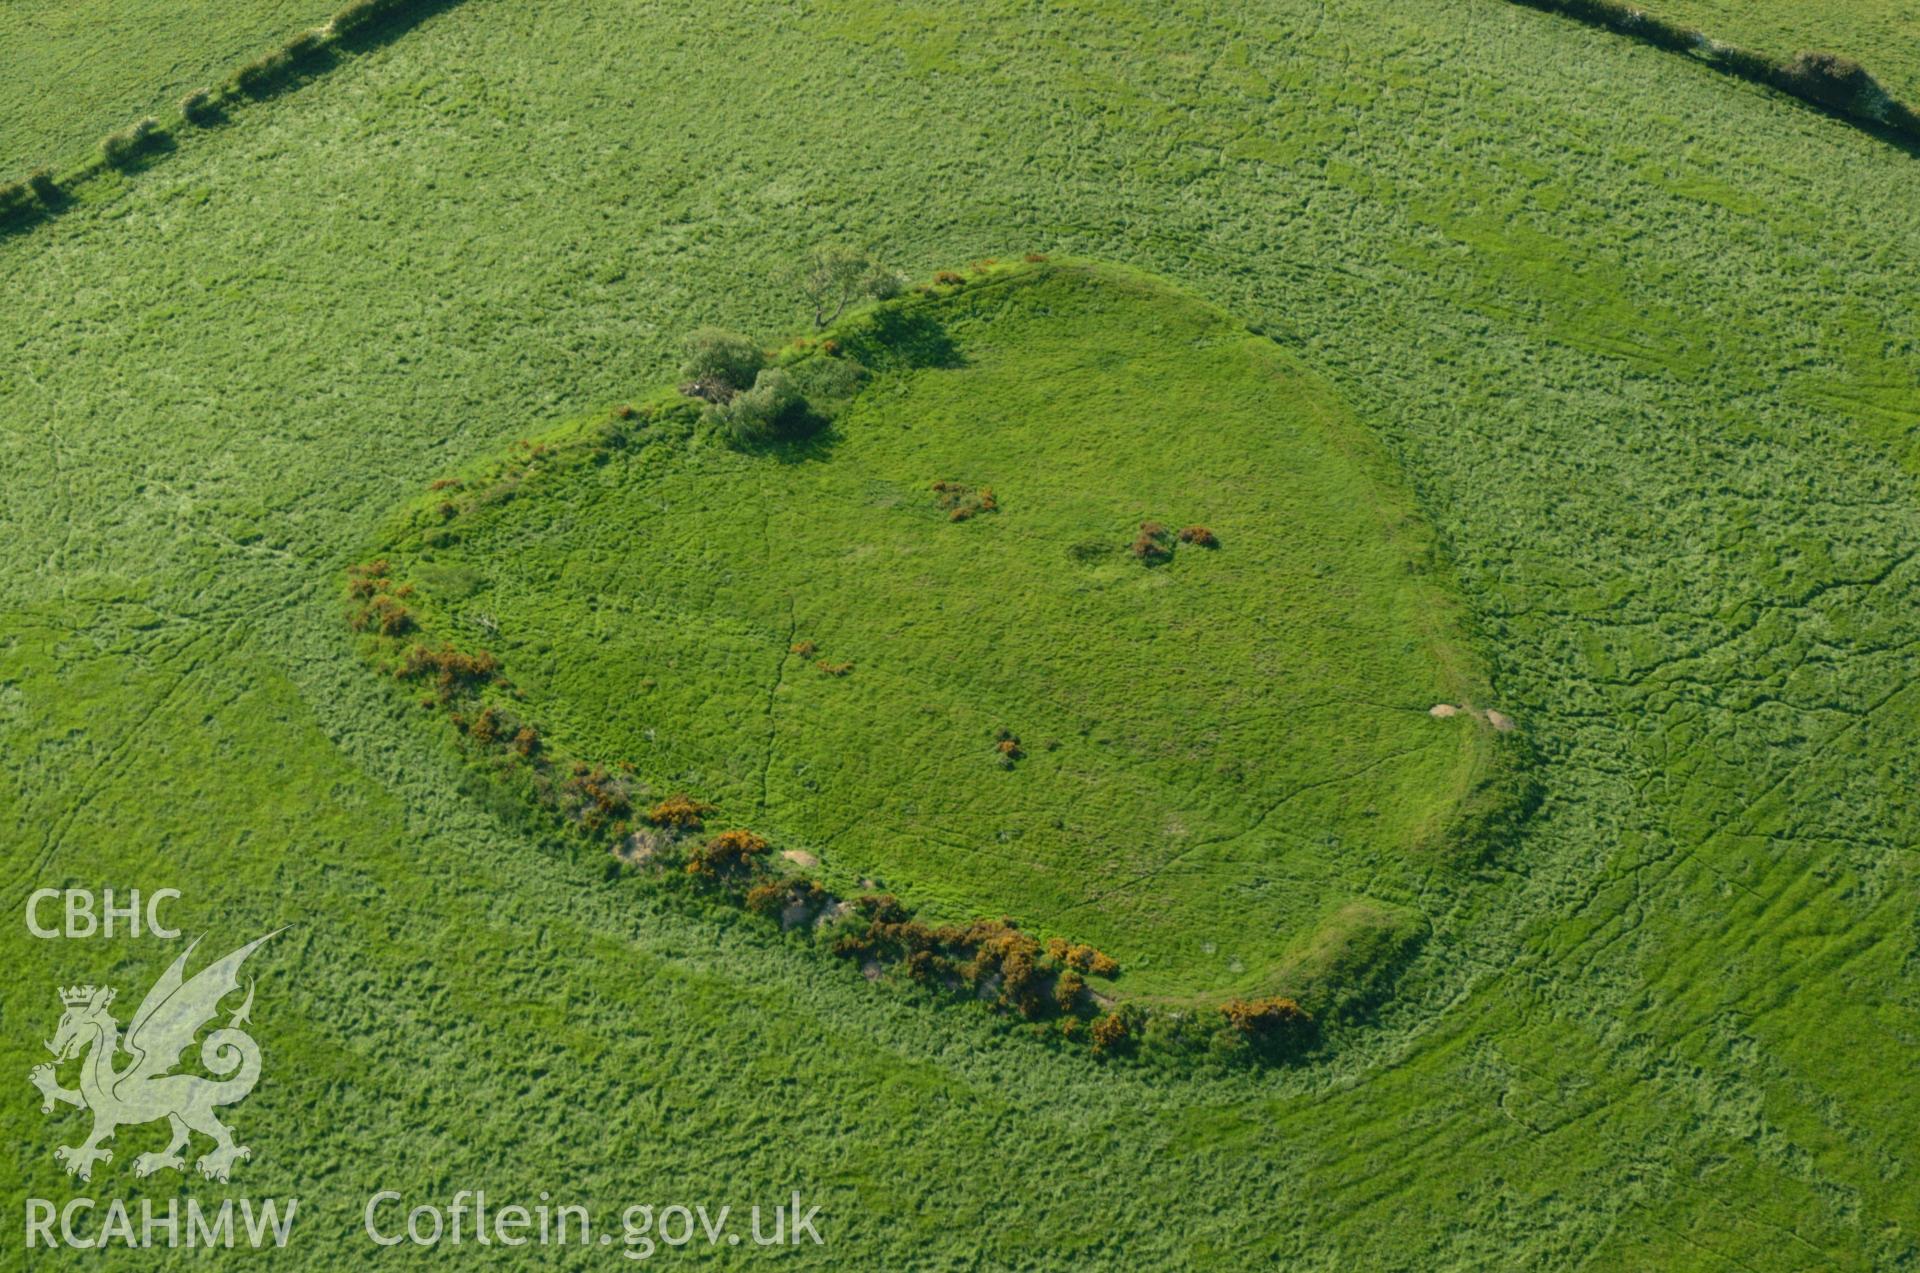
834 277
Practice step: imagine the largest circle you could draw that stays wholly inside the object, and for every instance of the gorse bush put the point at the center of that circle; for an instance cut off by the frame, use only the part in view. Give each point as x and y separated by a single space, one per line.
992 957
718 363
32 196
490 726
1110 1033
963 502
1263 1016
261 74
1269 1028
729 853
595 797
771 411
451 670
1068 989
384 614
679 811
368 578
1153 545
791 901
1082 958
381 608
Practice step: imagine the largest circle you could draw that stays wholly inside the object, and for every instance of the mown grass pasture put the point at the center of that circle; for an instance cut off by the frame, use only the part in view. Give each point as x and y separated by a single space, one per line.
1639 338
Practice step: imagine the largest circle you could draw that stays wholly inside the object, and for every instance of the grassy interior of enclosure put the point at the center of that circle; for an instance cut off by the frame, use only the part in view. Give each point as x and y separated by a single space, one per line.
1188 756
1656 386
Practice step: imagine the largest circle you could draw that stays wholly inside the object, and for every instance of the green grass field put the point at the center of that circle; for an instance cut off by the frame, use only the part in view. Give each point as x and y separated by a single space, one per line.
1639 339
77 71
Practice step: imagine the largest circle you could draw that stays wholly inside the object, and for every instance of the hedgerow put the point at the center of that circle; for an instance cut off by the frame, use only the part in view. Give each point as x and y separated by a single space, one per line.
38 196
1836 84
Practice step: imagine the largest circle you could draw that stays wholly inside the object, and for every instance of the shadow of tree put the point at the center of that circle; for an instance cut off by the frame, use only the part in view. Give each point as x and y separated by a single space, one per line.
903 339
805 434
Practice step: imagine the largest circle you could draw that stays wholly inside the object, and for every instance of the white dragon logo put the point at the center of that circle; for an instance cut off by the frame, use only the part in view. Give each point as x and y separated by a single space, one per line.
164 1026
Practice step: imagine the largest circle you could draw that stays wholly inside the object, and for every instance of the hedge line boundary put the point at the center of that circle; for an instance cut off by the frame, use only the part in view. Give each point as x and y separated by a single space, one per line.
1829 82
359 26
